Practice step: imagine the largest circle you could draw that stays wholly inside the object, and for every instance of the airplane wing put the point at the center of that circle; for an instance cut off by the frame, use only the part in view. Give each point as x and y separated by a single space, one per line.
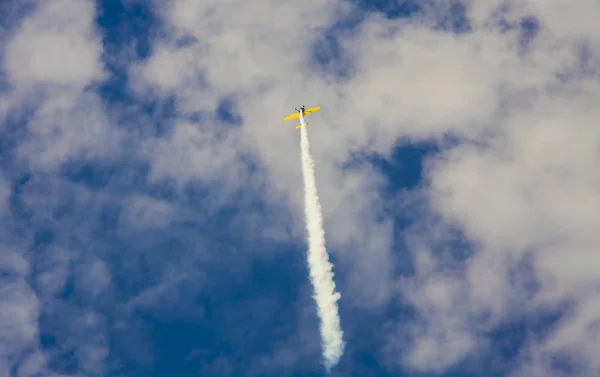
312 110
294 115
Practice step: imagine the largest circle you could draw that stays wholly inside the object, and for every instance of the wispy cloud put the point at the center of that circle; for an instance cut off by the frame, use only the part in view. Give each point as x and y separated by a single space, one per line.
54 47
522 193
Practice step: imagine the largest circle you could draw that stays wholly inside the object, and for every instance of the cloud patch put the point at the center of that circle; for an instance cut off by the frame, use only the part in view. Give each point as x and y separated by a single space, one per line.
55 47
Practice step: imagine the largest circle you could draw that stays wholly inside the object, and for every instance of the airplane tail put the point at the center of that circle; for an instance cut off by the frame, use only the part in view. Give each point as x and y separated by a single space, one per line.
298 126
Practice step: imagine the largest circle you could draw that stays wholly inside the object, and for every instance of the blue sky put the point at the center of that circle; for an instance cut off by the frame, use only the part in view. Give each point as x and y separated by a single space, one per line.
152 205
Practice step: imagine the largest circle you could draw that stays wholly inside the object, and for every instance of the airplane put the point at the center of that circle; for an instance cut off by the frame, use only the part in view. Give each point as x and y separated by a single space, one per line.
301 112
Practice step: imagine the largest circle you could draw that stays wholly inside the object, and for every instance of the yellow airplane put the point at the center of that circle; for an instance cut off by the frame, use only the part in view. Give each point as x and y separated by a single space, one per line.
301 112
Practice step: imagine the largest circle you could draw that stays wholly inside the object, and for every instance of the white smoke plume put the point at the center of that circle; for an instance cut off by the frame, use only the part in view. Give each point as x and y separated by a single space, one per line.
318 261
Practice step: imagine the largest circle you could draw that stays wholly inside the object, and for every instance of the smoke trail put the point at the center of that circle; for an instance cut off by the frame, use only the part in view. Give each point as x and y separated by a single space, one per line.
318 261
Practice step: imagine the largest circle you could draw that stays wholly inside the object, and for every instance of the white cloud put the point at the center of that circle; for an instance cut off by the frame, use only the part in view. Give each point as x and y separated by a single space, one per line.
55 47
67 126
18 322
169 69
32 365
50 60
525 193
92 351
42 261
92 278
144 212
192 152
13 263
